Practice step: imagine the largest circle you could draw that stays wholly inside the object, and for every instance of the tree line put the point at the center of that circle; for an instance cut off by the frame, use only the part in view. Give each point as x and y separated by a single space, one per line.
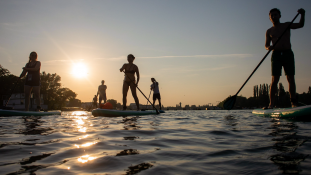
54 95
261 98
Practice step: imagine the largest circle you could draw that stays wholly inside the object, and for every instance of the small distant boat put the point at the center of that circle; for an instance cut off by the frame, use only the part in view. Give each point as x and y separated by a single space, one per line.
4 112
297 112
118 113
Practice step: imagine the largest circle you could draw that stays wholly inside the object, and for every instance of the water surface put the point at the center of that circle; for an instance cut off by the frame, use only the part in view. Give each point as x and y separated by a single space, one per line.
176 142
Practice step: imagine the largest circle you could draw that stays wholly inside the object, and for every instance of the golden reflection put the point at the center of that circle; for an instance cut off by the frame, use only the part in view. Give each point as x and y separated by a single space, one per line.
84 137
85 158
79 113
81 128
80 122
86 144
68 168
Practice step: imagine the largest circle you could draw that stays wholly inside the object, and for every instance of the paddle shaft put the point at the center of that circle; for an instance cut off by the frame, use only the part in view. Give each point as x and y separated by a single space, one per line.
141 92
267 54
148 98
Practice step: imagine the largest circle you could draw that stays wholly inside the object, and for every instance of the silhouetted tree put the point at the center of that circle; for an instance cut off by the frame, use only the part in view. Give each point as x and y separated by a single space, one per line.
262 98
3 71
74 103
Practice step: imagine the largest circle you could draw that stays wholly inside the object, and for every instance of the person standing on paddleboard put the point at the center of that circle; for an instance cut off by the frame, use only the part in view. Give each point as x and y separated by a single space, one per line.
282 55
102 92
156 92
129 80
33 80
95 101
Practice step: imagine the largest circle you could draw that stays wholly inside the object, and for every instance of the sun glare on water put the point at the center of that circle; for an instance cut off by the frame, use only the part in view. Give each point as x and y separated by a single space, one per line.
79 70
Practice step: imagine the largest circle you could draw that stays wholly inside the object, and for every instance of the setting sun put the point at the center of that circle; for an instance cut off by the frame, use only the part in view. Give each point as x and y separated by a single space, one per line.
79 70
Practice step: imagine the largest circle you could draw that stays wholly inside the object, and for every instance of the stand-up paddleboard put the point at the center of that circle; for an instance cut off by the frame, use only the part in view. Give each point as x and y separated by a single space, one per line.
301 111
118 113
4 112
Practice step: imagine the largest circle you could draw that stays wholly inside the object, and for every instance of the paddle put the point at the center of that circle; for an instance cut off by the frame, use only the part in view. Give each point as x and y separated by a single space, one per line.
147 102
148 98
142 93
229 103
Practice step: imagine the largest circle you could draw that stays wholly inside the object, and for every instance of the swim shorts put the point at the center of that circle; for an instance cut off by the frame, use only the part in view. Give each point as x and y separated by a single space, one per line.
156 96
102 98
284 58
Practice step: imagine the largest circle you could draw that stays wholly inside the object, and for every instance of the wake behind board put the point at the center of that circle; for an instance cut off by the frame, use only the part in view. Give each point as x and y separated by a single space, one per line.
4 112
297 112
118 113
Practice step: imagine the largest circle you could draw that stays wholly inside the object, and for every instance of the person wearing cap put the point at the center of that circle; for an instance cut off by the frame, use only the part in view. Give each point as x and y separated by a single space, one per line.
102 92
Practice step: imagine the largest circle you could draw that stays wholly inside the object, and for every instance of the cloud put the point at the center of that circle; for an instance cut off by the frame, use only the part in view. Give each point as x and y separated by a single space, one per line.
110 58
205 56
194 69
185 56
12 24
116 58
53 62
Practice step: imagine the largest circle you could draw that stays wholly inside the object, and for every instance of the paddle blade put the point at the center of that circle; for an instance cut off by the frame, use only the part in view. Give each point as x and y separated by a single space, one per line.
229 103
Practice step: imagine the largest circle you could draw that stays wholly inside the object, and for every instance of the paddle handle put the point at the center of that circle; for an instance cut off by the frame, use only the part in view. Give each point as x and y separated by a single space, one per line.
142 92
267 54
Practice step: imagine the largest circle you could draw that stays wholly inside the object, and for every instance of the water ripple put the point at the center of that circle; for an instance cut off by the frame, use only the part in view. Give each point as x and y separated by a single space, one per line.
176 142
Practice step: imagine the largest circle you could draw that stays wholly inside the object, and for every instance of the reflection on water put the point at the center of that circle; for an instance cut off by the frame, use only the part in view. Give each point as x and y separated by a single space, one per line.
127 152
137 168
86 144
86 158
176 142
287 142
33 126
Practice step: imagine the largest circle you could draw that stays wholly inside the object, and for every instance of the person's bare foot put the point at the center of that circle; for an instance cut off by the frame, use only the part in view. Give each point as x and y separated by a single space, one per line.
269 107
294 102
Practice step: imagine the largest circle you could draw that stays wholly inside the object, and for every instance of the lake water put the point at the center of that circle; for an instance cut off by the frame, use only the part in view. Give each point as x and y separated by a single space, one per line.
176 142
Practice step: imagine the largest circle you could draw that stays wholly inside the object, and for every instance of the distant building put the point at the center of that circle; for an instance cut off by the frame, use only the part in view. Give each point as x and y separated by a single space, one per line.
187 107
193 107
86 105
17 101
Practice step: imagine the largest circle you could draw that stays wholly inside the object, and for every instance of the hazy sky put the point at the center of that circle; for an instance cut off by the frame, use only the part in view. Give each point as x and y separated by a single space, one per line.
199 51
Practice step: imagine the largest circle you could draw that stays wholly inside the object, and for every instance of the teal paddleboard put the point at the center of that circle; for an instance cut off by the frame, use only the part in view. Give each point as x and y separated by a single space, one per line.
118 113
301 111
4 112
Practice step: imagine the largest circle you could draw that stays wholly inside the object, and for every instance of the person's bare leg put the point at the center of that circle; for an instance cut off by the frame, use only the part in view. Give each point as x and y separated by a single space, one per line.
36 91
292 89
105 98
273 89
133 89
99 100
153 104
124 91
27 90
160 104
